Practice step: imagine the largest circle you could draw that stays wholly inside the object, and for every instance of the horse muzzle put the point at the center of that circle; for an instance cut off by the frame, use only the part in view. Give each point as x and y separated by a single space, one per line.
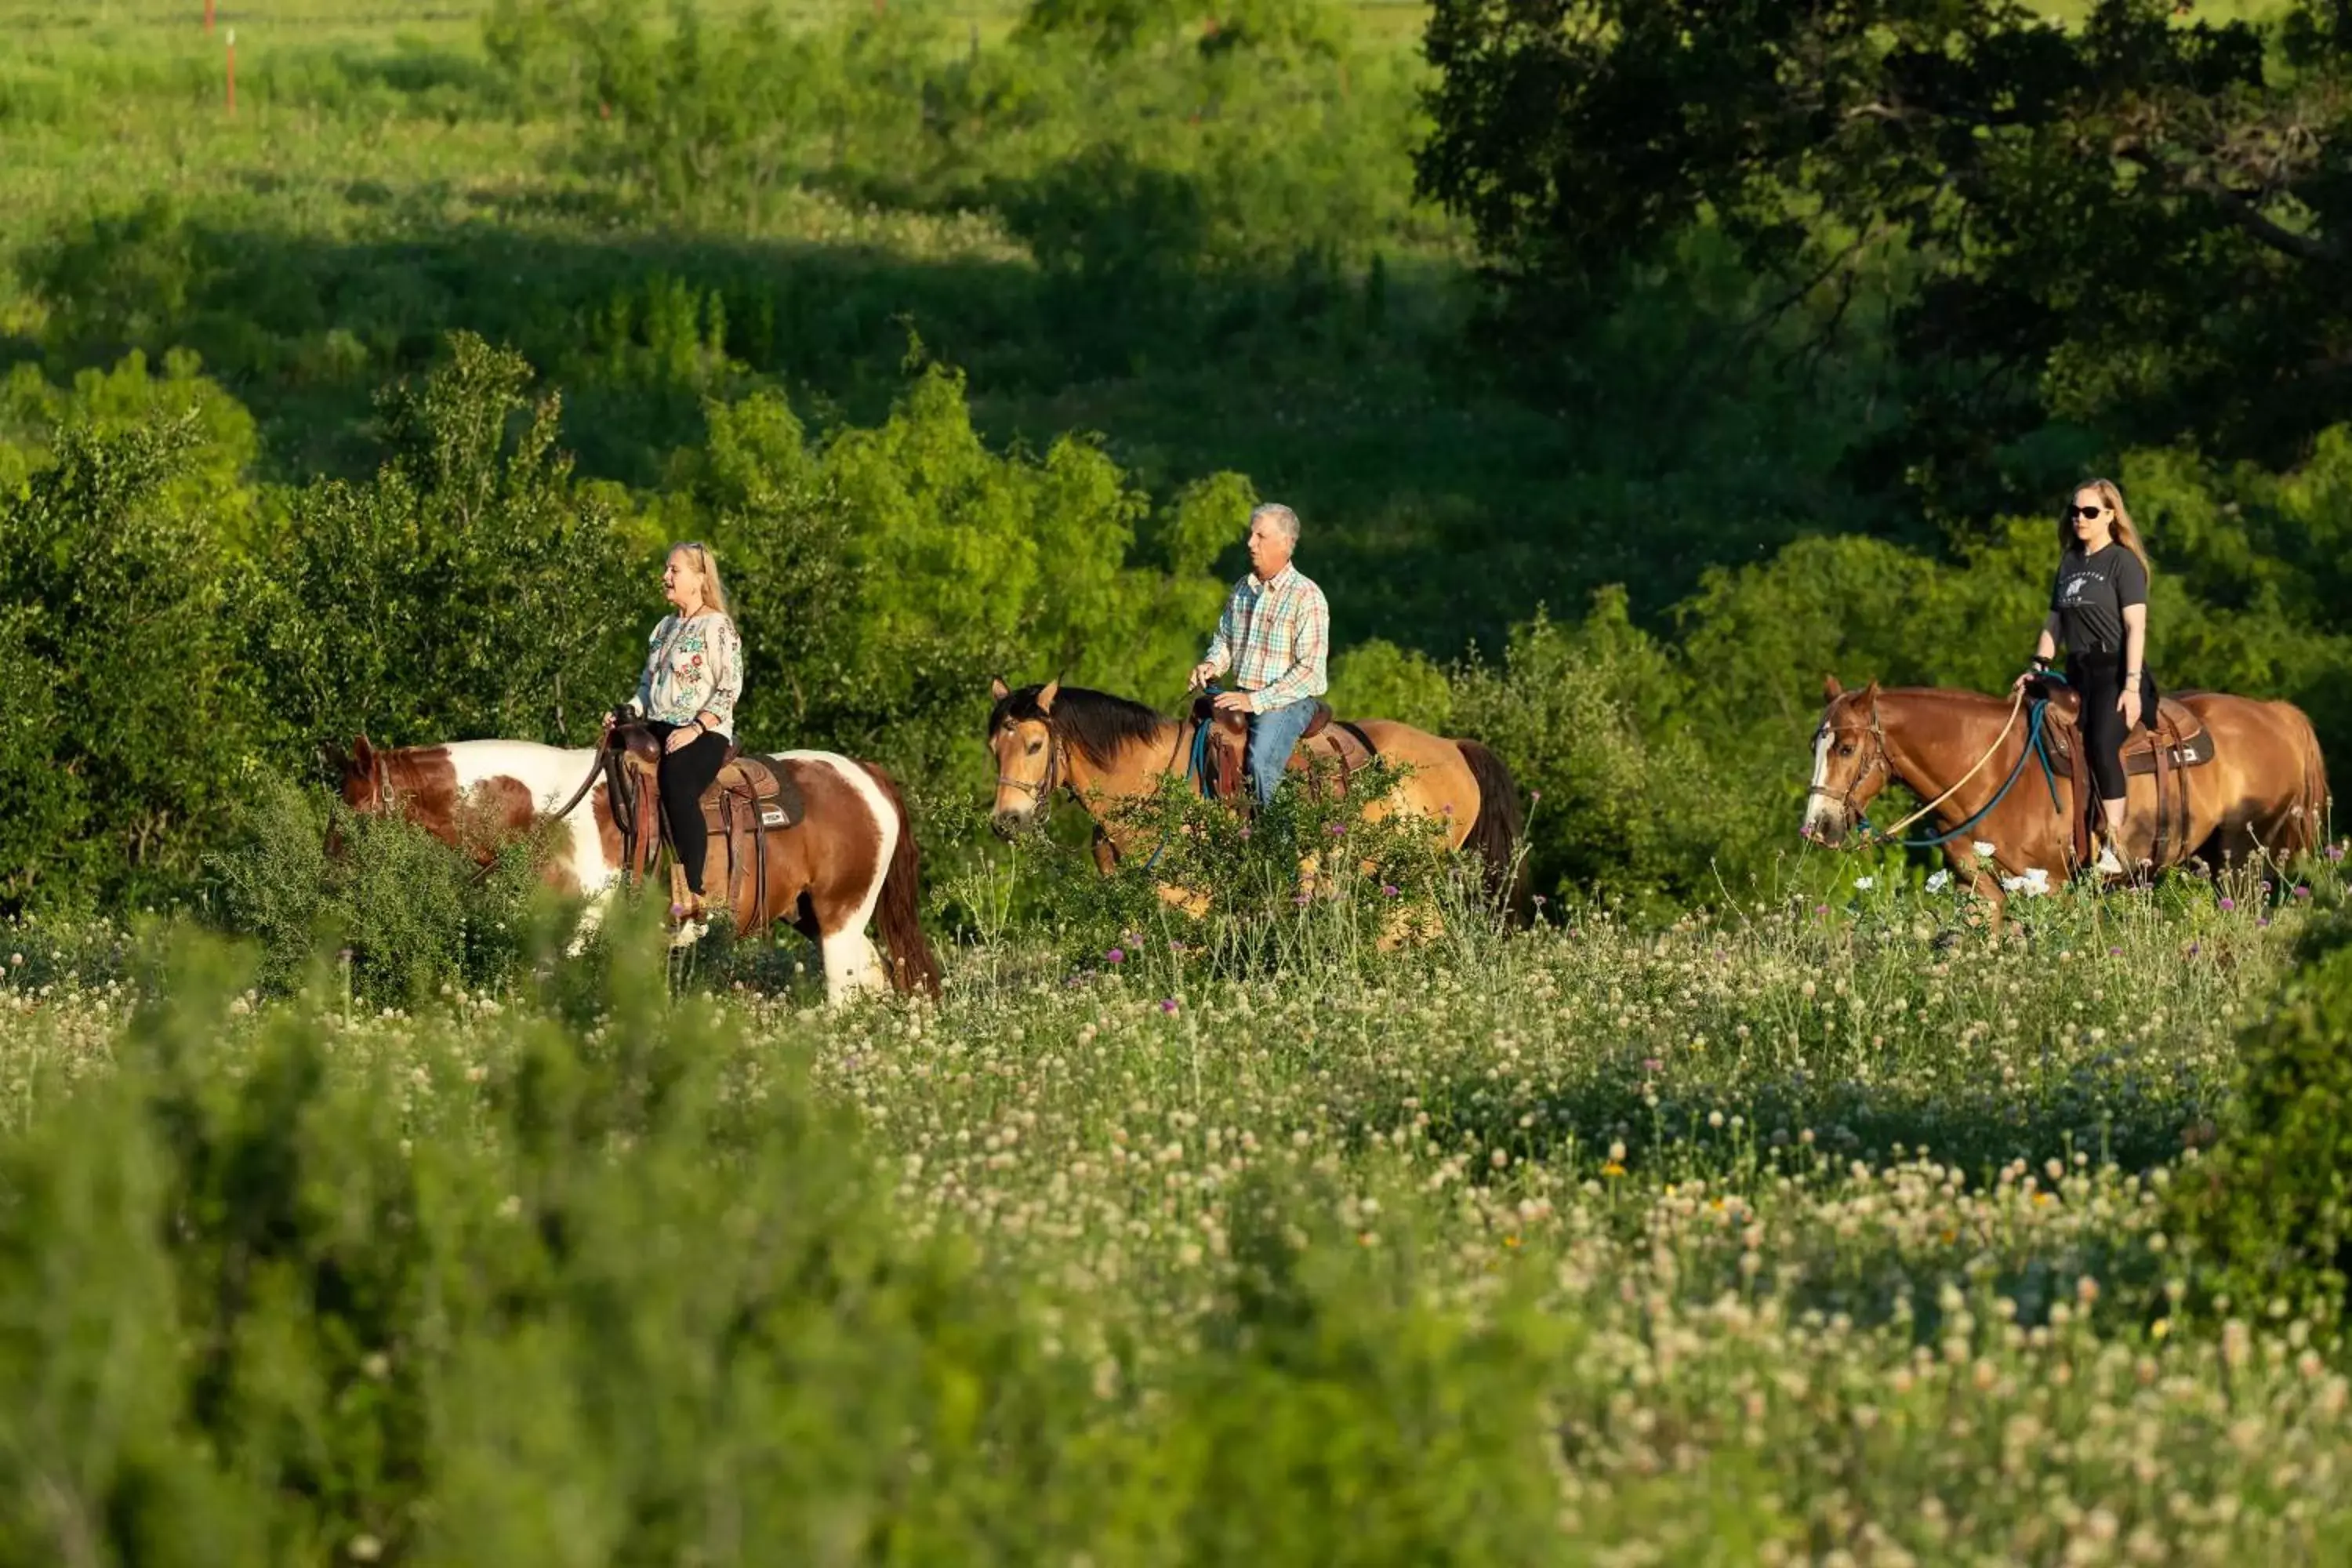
1010 822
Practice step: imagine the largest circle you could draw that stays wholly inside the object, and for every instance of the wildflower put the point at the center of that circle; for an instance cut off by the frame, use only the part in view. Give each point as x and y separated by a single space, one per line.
1168 1004
1390 890
1116 955
2334 852
1650 1064
2228 904
1865 883
1335 828
1983 849
1939 880
2302 892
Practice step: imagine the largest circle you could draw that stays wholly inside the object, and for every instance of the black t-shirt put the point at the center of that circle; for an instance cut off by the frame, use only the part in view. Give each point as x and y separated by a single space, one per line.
2090 595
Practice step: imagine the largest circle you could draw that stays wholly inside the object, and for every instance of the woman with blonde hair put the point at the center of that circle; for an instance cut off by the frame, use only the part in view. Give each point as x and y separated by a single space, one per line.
2098 608
692 681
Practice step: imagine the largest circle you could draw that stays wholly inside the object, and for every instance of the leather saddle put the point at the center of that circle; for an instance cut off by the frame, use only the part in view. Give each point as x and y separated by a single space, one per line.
2178 740
1330 753
752 798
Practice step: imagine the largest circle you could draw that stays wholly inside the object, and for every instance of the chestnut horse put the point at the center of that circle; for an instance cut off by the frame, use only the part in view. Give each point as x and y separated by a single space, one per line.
849 860
2263 794
1102 750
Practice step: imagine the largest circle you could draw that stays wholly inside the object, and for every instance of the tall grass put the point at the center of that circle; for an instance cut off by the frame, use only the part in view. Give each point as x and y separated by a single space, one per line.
1805 1231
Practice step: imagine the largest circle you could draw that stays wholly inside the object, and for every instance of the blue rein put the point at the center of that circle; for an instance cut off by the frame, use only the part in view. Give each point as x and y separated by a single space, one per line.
2037 745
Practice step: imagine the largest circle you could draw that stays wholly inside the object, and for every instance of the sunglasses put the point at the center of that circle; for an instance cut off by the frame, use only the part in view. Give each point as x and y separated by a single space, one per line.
2084 511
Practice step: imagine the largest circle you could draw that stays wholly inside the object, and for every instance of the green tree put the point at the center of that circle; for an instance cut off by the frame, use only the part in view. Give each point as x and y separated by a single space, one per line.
472 589
2135 221
124 733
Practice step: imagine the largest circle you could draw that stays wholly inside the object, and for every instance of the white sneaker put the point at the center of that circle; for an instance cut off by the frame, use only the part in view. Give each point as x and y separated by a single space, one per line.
2106 864
687 935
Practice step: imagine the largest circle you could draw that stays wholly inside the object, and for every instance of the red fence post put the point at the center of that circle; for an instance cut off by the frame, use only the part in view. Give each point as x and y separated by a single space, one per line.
208 15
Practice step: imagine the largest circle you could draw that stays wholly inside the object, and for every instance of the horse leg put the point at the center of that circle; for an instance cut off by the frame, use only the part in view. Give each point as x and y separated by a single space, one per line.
852 968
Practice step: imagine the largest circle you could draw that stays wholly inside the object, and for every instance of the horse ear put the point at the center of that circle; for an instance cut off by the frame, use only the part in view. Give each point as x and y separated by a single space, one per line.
1045 697
1832 687
1870 692
361 752
998 689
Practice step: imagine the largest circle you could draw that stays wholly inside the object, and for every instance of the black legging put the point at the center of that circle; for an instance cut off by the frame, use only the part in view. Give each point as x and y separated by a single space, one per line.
2101 682
685 774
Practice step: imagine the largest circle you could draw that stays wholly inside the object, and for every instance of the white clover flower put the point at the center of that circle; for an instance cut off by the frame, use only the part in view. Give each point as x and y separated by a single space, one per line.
1865 883
1939 880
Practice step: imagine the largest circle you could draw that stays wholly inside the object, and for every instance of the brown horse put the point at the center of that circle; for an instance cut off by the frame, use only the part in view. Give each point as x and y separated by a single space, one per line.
2263 795
851 859
1103 750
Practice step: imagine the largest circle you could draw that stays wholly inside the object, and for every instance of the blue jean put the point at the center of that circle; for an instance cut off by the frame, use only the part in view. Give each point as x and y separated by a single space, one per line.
1273 736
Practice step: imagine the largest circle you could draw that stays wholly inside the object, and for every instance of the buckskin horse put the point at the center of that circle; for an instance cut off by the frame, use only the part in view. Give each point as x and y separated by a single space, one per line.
1104 750
2242 779
848 860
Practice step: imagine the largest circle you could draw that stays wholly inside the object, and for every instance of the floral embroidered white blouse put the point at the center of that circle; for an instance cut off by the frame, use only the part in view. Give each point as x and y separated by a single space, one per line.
692 667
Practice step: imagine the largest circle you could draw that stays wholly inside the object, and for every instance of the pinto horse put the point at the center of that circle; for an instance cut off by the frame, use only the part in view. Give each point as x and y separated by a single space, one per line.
1102 750
850 860
2264 792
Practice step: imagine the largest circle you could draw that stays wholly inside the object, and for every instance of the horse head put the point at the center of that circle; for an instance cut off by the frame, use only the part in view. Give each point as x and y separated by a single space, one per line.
1850 764
1028 754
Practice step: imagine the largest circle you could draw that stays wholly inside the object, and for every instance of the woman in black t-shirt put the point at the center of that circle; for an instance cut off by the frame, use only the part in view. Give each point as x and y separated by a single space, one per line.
2098 608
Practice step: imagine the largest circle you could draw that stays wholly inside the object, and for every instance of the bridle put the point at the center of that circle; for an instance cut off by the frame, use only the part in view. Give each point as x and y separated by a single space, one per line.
1877 763
1039 790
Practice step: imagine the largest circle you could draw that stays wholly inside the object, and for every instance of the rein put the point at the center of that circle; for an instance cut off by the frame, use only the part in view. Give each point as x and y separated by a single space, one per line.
2036 746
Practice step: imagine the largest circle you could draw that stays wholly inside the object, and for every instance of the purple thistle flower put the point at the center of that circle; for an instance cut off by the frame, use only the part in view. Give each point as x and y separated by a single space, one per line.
1390 890
2228 904
1650 1064
1168 1004
2336 852
2302 892
1116 955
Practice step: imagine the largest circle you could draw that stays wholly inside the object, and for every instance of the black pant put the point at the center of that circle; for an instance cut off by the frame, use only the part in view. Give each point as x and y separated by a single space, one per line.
685 774
2100 681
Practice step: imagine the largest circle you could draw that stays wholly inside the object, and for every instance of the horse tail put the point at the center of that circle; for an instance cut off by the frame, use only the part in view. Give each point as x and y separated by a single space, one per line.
1494 831
2315 786
913 965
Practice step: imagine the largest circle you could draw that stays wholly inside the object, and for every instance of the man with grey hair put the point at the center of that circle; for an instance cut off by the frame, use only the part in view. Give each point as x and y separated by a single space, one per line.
1275 637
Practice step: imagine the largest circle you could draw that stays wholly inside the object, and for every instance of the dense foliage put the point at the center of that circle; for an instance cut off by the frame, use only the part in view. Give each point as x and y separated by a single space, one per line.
2135 222
1806 1230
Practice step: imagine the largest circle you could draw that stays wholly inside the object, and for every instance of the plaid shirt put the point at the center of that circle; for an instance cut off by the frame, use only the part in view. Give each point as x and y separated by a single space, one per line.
1275 637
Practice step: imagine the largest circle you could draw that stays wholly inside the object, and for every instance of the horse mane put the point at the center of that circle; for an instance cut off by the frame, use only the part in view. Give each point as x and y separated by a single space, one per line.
1094 724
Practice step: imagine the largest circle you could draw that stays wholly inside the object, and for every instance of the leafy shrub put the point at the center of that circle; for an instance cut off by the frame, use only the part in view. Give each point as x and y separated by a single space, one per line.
2272 1208
472 590
1305 885
410 917
123 727
626 1291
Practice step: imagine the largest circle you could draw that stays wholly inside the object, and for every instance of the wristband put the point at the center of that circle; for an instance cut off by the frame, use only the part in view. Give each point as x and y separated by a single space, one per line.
2039 663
